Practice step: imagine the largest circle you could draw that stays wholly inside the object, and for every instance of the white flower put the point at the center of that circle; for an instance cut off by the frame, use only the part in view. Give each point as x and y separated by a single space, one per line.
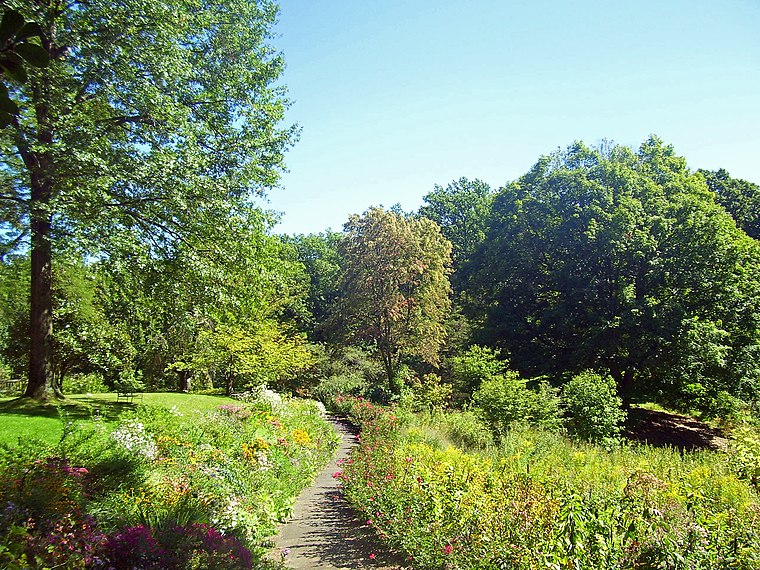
321 408
132 436
263 460
271 397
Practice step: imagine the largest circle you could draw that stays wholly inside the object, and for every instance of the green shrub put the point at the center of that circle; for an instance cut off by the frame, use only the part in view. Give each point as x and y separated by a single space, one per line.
342 384
594 409
477 364
91 383
345 371
506 399
426 393
744 451
466 430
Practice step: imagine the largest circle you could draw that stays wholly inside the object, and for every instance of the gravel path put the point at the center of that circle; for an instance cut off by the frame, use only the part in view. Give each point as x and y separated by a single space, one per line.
323 531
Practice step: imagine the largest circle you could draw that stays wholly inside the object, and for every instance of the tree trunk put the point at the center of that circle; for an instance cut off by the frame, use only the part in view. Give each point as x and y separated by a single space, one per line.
41 385
228 385
624 381
39 163
184 381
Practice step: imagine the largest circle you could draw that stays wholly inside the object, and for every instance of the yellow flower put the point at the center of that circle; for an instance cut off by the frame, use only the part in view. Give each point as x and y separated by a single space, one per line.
301 437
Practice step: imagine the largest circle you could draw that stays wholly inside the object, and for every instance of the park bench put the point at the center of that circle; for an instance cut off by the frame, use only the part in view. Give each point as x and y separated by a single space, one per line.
11 387
127 393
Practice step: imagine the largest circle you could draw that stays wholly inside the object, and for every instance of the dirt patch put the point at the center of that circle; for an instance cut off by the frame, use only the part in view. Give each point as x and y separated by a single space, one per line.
663 429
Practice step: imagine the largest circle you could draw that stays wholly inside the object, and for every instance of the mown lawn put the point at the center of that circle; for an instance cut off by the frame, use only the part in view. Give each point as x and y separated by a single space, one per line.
25 419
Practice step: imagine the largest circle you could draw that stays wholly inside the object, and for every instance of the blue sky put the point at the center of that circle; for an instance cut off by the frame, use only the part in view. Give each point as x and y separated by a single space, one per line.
394 97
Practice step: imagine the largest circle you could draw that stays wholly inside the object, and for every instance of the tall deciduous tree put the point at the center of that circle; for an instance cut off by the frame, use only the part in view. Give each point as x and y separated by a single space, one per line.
621 260
740 198
84 339
158 117
321 259
462 210
395 285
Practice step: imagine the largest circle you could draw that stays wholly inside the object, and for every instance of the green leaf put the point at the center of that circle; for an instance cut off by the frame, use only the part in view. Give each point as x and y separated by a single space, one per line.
14 70
34 54
7 104
12 23
30 29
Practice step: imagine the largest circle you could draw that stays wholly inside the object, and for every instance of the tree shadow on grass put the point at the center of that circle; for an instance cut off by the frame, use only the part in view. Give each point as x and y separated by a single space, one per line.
72 410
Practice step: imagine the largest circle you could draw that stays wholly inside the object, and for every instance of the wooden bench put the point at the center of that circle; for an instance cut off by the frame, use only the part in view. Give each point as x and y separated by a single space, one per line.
127 393
11 387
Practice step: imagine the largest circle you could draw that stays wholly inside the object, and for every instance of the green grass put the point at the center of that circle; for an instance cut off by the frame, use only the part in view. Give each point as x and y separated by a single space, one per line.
21 418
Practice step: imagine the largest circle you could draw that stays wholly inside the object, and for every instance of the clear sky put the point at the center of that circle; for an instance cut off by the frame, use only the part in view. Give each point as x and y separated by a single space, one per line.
395 96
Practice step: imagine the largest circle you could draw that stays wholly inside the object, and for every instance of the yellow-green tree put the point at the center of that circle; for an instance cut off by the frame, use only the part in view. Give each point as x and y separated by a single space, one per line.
395 286
261 354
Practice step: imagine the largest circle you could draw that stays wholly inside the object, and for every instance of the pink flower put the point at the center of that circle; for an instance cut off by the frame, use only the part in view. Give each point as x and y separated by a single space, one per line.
372 556
337 474
448 549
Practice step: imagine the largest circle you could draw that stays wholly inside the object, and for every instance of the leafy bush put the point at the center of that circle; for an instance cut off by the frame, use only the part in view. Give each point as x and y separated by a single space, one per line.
131 380
466 430
345 371
505 399
593 407
426 393
91 383
744 451
341 384
477 364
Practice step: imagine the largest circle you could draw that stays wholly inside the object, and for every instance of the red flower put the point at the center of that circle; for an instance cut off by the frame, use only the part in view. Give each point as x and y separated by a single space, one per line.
448 549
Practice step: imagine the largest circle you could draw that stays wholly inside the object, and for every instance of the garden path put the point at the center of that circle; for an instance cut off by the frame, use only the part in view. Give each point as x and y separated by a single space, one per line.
323 531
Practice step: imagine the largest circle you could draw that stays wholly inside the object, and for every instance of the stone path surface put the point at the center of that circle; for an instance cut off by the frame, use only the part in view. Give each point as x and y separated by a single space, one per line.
323 531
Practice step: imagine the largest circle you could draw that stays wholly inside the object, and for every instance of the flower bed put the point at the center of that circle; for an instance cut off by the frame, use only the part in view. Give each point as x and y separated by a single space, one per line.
542 502
160 490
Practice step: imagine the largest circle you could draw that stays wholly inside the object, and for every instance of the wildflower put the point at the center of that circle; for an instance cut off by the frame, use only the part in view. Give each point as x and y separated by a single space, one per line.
133 437
372 556
263 460
448 549
301 437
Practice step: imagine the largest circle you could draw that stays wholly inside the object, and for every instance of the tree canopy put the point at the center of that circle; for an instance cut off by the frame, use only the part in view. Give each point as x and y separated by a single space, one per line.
621 260
461 210
739 197
395 287
161 118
